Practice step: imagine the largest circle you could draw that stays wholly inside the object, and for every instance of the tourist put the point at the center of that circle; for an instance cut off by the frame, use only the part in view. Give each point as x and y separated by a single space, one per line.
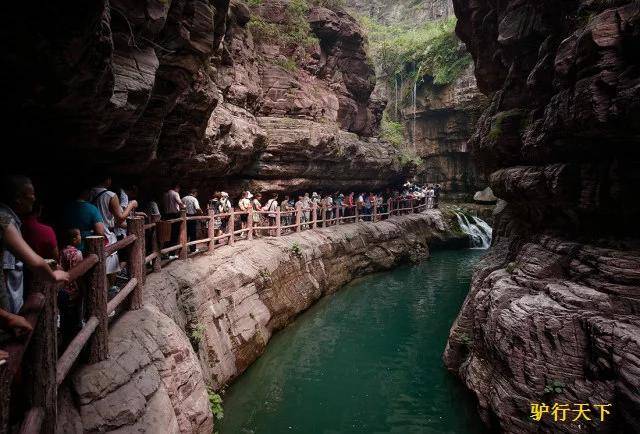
315 198
340 210
256 207
17 196
172 206
70 296
225 208
41 237
285 212
215 210
299 206
108 203
84 216
430 197
271 207
306 210
123 196
327 203
436 195
192 206
245 209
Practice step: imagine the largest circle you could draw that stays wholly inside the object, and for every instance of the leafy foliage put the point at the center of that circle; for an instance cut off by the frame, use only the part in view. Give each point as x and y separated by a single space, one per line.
296 249
411 53
392 131
330 4
196 335
554 386
215 404
294 30
409 158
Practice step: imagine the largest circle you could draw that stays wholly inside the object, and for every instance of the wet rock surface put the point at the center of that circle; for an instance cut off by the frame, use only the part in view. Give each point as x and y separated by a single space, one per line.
557 298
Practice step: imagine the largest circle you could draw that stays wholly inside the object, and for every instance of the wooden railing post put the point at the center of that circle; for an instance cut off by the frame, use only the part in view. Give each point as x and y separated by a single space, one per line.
389 207
298 216
278 222
324 216
39 363
375 211
183 234
231 226
356 212
413 209
96 301
157 261
314 215
211 231
250 223
135 226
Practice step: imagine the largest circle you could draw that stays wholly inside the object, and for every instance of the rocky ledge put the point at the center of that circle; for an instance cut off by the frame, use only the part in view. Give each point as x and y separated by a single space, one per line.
557 302
207 319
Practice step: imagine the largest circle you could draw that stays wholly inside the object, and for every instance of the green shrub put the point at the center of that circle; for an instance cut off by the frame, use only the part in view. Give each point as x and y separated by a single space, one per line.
294 30
466 340
409 158
254 3
330 4
554 387
196 335
392 131
287 64
215 404
296 249
409 53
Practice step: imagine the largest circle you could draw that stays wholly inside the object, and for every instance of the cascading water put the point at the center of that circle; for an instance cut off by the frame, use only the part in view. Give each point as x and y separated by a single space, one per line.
415 103
478 230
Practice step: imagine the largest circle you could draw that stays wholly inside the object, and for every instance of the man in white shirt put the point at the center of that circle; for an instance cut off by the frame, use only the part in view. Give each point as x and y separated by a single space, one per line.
192 207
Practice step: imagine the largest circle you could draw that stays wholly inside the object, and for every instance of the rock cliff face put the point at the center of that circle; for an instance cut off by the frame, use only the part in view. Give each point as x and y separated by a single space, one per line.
439 120
393 11
558 298
194 89
439 127
229 303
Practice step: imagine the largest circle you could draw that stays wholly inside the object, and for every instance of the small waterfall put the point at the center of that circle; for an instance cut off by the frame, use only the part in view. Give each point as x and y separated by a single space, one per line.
415 103
478 230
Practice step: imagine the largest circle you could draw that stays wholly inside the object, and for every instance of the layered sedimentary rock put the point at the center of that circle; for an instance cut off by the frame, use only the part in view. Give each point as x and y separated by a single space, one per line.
176 88
208 318
439 127
558 299
437 119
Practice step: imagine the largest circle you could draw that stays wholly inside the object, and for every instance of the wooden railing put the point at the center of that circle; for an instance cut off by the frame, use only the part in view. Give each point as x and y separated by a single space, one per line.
43 371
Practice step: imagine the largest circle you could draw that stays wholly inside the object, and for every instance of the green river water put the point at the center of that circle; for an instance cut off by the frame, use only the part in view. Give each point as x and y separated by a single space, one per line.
364 360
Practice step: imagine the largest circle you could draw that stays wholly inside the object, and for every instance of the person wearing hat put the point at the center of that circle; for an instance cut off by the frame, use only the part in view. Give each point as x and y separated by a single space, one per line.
245 209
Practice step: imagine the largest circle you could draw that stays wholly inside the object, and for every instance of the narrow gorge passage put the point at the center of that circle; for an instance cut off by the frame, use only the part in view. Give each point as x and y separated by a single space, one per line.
365 360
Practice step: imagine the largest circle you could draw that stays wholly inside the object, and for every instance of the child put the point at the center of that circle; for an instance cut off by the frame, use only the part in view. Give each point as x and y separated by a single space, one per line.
69 297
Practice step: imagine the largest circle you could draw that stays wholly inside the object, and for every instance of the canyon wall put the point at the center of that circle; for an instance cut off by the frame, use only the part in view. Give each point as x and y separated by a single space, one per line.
212 93
208 318
553 314
440 117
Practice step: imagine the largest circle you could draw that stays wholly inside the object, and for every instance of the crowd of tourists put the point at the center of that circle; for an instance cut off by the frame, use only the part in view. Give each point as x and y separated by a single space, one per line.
33 250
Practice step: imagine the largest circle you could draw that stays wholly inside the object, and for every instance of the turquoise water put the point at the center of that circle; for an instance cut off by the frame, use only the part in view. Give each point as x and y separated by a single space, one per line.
364 360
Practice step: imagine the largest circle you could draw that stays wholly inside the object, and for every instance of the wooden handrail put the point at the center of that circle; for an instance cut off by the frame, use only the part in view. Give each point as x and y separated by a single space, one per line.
40 313
66 361
32 422
83 267
119 245
121 295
